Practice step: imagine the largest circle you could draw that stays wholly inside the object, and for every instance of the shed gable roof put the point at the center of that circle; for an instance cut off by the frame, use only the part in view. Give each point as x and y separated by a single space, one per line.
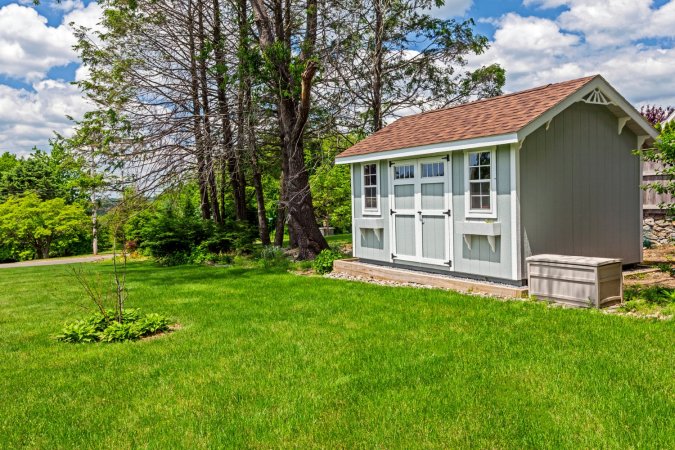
496 116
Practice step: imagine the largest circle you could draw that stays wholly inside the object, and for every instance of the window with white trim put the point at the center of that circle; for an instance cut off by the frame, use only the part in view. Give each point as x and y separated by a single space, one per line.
370 188
480 184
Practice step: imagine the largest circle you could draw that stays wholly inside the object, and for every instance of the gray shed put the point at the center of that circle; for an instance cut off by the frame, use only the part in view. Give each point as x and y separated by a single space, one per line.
475 189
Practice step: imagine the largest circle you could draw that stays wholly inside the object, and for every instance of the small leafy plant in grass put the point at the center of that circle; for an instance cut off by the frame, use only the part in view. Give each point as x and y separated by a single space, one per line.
649 300
273 258
323 263
104 328
119 323
667 268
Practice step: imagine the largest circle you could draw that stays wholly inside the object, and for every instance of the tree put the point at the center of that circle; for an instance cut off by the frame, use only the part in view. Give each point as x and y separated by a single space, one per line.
663 153
289 46
28 221
238 96
656 114
50 175
394 57
331 190
7 162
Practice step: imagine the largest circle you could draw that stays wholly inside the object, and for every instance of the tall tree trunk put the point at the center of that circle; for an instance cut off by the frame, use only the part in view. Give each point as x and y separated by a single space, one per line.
377 61
257 174
282 213
207 138
202 176
94 209
244 99
232 165
260 199
293 115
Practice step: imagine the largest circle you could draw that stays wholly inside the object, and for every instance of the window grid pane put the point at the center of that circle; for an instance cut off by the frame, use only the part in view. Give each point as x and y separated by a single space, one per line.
370 186
480 182
404 172
436 169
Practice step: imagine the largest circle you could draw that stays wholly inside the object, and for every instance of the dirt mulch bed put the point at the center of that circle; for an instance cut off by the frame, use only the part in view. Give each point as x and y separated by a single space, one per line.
649 278
649 275
659 254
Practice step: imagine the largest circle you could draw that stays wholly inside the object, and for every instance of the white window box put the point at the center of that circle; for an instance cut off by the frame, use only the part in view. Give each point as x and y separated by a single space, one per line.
479 228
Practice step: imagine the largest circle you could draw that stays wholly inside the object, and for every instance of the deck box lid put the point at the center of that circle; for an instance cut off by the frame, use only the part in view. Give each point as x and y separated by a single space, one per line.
576 260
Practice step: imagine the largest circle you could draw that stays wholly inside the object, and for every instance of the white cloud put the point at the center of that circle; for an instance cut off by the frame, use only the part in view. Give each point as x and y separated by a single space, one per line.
527 45
89 16
29 47
28 119
613 22
452 8
66 5
535 51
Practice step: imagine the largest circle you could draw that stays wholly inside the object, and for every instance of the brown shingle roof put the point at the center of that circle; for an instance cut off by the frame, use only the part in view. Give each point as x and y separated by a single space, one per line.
488 117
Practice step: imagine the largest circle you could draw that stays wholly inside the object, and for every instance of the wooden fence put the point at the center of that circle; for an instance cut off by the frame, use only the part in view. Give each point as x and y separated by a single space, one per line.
650 199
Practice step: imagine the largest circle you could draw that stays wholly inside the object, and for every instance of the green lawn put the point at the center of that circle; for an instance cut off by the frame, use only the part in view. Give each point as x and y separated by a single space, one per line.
279 360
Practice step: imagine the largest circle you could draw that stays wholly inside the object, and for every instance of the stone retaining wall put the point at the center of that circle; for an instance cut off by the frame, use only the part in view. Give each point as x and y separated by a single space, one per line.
658 231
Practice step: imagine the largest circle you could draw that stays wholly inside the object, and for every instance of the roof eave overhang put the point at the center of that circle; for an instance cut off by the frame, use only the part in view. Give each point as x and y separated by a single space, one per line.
649 132
597 83
423 150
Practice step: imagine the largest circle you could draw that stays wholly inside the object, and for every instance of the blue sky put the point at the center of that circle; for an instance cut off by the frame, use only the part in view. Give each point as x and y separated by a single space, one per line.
629 42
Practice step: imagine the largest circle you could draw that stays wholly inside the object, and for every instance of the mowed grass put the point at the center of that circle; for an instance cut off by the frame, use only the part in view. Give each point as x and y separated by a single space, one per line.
269 359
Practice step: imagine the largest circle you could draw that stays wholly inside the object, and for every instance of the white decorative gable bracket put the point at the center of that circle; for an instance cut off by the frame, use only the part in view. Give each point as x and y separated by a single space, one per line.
622 123
597 97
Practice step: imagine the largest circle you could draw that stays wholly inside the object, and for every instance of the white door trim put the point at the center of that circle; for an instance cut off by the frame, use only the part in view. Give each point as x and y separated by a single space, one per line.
417 182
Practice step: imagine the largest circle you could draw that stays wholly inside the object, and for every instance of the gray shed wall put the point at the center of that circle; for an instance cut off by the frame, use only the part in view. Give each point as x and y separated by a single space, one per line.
480 261
366 245
579 185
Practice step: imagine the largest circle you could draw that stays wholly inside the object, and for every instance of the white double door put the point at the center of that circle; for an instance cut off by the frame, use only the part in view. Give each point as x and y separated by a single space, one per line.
421 224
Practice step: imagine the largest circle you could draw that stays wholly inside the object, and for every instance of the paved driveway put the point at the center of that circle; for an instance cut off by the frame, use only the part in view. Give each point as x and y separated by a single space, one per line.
56 261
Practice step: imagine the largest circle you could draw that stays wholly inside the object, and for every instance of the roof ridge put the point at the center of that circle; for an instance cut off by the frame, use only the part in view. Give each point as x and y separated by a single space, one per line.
510 94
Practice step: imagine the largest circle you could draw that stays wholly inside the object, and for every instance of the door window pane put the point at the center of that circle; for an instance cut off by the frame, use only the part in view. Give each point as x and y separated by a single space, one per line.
435 169
404 172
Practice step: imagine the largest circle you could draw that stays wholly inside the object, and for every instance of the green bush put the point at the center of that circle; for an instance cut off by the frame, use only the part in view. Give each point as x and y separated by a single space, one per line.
323 263
176 237
105 328
273 258
119 332
648 300
79 331
173 259
152 324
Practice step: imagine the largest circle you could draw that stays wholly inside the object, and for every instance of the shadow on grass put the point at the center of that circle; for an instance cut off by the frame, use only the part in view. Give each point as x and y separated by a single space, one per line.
154 274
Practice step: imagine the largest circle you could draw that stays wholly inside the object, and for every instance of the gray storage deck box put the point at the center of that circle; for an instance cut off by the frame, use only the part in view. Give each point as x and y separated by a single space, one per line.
576 280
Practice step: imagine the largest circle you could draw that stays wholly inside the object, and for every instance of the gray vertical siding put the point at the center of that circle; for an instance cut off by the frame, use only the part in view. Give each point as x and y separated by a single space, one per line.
434 241
405 234
433 196
579 187
481 260
366 243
